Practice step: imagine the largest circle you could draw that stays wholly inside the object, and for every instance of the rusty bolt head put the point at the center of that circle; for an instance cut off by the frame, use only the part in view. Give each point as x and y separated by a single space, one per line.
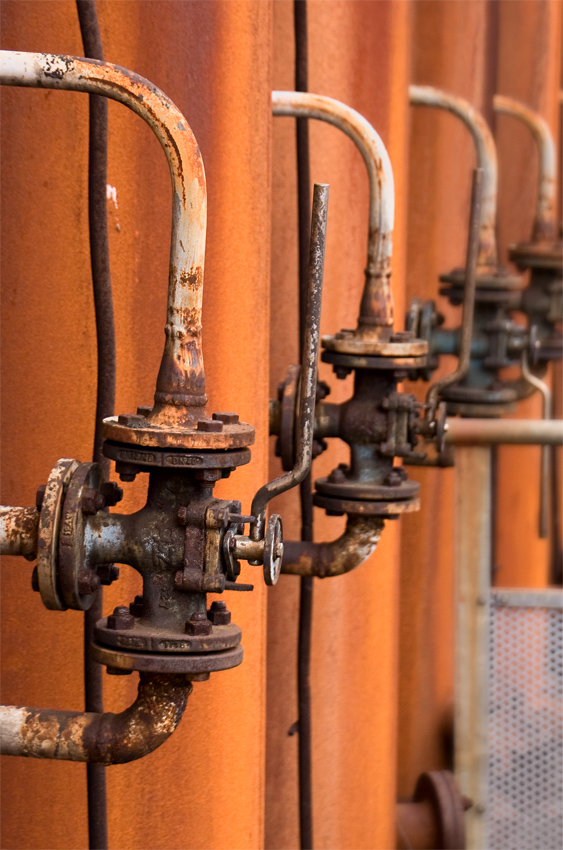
198 624
130 419
210 425
88 582
35 580
323 390
218 614
92 501
208 475
393 478
112 493
121 619
107 573
337 476
402 336
39 496
144 411
226 418
341 372
137 606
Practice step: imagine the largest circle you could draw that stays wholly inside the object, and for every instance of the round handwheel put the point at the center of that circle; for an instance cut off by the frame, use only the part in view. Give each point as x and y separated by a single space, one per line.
72 575
273 550
48 537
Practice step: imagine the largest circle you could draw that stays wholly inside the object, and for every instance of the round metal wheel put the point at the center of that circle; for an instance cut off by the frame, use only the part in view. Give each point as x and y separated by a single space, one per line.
48 538
273 550
71 539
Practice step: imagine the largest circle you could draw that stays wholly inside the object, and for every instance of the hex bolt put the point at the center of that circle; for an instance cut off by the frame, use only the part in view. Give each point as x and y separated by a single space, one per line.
198 624
209 425
341 372
108 573
226 418
209 475
121 619
402 336
144 411
112 493
130 419
137 606
92 501
88 582
394 478
39 496
218 614
337 476
35 580
323 390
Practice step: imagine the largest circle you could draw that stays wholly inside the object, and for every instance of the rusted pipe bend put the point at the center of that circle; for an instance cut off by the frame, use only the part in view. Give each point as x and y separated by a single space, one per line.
181 379
485 150
102 738
377 300
334 559
18 531
544 222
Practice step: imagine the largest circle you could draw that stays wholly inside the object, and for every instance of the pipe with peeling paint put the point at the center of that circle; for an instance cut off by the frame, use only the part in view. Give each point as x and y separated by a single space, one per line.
340 556
485 150
100 738
180 390
377 299
19 528
544 220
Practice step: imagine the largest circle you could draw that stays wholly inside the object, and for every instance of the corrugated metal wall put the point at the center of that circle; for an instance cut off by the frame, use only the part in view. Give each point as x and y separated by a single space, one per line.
382 635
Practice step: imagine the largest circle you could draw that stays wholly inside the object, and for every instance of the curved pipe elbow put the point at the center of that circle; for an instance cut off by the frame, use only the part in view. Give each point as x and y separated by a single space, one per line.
100 738
544 221
485 150
378 298
343 555
181 379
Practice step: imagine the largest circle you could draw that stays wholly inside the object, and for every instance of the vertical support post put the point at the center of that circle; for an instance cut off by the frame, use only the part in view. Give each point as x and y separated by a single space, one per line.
473 572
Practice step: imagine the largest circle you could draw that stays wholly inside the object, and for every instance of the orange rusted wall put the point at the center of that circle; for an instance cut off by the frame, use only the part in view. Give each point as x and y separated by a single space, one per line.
204 788
471 49
358 54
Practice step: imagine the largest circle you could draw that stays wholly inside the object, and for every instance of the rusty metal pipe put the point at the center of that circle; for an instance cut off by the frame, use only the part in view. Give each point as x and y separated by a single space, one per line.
180 389
543 229
322 560
308 382
18 531
98 738
377 299
485 150
519 432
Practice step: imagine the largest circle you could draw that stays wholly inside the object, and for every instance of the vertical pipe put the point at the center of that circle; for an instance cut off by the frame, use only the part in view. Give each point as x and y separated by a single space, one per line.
305 491
473 568
105 391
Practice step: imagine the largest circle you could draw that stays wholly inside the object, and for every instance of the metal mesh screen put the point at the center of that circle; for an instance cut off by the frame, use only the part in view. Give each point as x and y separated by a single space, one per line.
525 810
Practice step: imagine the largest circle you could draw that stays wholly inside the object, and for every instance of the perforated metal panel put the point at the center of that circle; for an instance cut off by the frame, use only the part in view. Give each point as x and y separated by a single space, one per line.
525 783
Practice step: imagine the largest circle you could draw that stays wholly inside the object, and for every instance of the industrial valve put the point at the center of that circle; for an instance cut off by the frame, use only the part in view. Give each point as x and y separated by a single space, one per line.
184 542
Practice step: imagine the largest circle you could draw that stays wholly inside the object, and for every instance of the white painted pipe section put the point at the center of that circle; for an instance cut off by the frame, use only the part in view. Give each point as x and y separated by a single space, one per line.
485 150
381 184
488 432
544 221
181 379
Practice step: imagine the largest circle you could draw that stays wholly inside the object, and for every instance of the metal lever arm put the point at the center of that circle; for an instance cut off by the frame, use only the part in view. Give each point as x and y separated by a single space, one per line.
307 393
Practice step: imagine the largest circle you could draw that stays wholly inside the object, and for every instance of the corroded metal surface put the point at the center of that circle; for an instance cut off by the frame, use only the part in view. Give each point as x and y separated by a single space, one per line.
102 738
377 300
340 556
180 392
18 531
486 159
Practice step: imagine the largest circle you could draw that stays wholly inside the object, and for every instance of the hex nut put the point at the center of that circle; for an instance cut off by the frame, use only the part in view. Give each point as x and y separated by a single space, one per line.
121 619
92 501
112 493
130 419
144 411
209 425
88 582
218 614
226 418
137 606
108 573
198 624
